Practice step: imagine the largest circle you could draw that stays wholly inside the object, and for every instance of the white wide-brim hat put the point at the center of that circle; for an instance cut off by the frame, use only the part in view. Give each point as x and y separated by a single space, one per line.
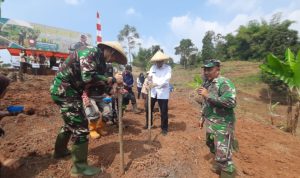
121 59
159 56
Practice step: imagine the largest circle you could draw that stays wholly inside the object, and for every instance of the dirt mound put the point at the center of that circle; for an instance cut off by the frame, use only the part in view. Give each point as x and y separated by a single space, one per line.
265 151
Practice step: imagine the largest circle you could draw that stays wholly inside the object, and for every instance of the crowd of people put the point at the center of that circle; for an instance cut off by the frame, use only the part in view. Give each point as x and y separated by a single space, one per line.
85 89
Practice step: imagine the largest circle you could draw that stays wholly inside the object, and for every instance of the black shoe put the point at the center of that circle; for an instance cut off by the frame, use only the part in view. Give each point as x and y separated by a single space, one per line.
146 127
164 132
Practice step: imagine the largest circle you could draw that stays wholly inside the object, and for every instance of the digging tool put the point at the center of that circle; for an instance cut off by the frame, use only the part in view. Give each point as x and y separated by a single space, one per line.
149 114
121 129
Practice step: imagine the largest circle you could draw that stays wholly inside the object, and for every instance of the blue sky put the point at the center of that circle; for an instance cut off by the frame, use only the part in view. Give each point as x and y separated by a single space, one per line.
163 22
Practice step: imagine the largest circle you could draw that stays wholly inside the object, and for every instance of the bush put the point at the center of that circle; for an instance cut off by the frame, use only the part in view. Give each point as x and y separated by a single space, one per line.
275 84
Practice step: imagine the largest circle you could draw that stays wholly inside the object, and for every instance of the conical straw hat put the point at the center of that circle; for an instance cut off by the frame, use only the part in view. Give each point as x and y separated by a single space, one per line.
159 56
121 59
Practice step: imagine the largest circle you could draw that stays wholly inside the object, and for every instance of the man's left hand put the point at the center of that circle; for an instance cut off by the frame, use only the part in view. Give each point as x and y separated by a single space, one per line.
203 91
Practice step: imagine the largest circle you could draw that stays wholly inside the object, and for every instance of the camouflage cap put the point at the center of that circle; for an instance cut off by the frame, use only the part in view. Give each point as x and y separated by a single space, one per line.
211 63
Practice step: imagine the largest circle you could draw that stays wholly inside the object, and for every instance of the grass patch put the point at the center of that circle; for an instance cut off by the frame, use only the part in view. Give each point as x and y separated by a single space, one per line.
247 80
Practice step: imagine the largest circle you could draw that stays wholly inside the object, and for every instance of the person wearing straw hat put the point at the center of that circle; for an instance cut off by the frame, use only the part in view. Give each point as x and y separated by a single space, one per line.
159 77
82 69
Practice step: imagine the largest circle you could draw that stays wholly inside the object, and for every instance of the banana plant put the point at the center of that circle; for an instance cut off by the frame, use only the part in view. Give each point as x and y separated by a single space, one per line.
288 71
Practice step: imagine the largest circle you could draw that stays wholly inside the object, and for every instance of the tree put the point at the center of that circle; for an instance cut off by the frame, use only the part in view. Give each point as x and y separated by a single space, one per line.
185 49
288 71
220 47
143 56
256 39
129 36
208 50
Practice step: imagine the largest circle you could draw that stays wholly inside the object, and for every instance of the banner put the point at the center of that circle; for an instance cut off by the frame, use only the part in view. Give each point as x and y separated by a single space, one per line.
35 66
22 34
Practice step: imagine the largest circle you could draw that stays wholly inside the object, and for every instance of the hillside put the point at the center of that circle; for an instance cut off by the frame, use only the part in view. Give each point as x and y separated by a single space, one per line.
265 150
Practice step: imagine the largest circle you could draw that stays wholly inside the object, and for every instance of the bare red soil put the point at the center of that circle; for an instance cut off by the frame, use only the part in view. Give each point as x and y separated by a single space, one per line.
265 151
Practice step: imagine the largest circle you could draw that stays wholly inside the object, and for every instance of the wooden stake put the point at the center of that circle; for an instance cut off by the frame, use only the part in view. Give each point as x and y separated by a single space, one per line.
120 98
149 114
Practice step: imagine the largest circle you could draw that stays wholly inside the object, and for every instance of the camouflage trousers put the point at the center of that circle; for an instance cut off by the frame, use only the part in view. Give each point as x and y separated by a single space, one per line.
219 139
75 122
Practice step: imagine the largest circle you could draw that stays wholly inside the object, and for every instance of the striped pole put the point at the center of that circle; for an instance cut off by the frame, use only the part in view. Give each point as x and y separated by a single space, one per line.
98 26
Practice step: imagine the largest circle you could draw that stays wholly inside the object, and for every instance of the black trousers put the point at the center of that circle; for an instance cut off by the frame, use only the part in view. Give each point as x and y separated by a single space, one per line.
139 92
163 106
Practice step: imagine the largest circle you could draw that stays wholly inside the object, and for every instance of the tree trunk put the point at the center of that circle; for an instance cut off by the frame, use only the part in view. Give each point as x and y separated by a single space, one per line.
289 112
296 117
270 105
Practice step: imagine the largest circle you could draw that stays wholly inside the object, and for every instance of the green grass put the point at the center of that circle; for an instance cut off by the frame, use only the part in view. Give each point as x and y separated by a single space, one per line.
248 80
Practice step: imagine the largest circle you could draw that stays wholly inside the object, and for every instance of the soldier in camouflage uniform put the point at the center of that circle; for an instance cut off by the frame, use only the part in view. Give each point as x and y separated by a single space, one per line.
81 70
219 96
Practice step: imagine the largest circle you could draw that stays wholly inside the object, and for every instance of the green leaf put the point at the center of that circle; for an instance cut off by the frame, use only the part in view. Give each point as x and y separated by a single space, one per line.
290 58
279 69
198 79
298 56
296 77
197 82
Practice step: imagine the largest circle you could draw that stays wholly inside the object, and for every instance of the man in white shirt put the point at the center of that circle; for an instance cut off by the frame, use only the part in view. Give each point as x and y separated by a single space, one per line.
160 74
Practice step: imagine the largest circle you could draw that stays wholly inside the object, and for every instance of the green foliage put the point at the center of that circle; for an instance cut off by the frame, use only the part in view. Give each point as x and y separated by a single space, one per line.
197 82
186 50
287 70
276 85
248 80
143 56
129 36
208 49
220 47
252 41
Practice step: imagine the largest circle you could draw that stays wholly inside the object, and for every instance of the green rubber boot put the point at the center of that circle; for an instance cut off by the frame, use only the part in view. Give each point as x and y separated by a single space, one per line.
61 145
216 168
80 166
228 172
225 174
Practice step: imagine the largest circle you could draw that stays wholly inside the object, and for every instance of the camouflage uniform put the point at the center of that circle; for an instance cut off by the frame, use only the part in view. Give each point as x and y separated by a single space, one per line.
80 68
220 119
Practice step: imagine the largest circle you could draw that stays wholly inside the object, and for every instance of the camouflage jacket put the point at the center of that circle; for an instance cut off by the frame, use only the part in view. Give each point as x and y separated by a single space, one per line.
82 67
219 105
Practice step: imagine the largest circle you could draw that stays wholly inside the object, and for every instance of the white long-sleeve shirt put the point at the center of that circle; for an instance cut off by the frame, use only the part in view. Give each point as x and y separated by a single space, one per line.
161 77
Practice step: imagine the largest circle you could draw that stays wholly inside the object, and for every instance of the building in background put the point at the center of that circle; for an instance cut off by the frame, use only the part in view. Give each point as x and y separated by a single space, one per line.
23 34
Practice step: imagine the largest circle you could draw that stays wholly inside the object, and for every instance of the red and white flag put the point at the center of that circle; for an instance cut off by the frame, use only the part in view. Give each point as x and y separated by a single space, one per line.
98 26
